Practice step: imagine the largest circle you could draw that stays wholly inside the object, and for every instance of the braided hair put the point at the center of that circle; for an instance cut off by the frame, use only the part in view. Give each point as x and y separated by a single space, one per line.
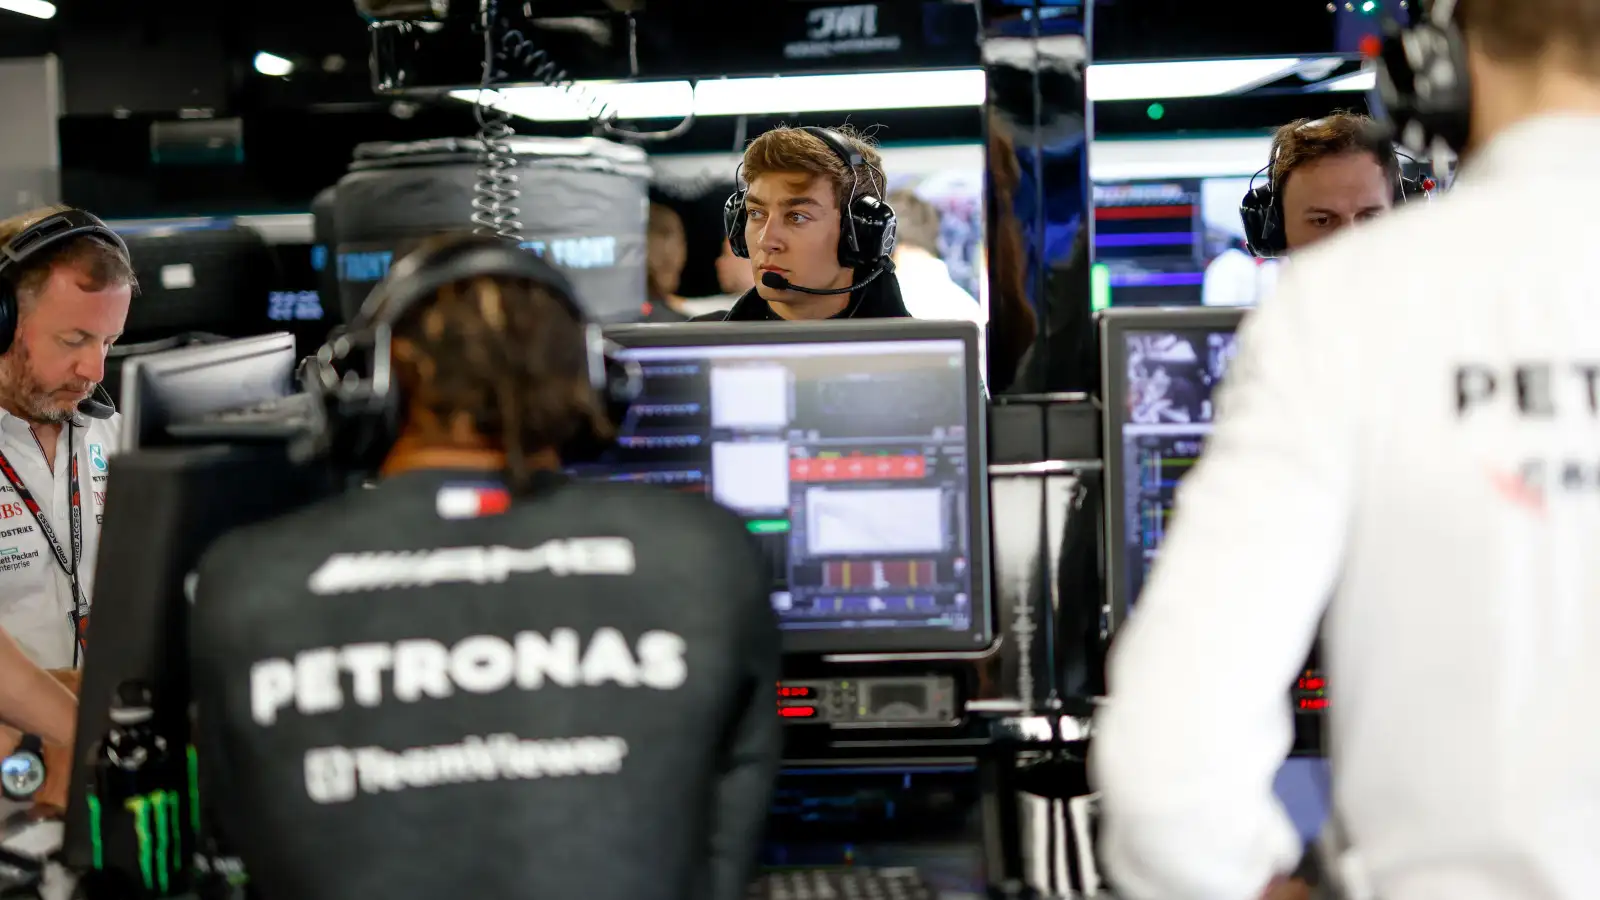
503 359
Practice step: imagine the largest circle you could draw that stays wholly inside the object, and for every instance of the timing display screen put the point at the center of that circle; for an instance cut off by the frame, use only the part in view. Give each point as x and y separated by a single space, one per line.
849 463
1167 415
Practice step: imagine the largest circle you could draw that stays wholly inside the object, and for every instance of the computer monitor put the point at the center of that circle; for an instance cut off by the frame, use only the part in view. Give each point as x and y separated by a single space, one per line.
1160 369
855 453
165 507
159 389
1176 242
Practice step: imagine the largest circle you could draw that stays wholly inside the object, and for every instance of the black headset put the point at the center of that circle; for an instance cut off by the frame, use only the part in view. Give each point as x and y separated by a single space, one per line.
1424 85
1262 208
867 224
33 244
358 410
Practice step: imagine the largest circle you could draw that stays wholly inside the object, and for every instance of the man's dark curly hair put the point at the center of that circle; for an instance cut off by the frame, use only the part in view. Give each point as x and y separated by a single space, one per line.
504 358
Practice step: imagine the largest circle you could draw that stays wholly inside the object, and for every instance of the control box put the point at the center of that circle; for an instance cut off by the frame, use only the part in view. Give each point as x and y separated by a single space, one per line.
873 702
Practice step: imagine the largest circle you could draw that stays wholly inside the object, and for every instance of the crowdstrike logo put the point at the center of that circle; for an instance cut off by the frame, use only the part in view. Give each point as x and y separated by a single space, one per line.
345 573
338 774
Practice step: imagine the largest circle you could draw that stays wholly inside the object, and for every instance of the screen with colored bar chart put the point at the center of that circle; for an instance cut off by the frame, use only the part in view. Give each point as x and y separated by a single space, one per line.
849 462
1169 380
1174 242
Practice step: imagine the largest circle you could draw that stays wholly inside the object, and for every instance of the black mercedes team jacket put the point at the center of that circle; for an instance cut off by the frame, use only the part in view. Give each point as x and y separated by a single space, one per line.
414 691
879 299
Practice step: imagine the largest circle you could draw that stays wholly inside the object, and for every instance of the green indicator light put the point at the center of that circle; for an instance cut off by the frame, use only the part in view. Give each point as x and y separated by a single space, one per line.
1099 287
1156 112
768 526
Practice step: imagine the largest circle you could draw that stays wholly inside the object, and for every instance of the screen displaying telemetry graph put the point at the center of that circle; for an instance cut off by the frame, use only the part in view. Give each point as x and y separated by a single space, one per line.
1169 384
848 462
1175 242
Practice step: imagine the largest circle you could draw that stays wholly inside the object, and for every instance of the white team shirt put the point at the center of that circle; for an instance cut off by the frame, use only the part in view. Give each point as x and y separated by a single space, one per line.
930 293
1409 439
36 602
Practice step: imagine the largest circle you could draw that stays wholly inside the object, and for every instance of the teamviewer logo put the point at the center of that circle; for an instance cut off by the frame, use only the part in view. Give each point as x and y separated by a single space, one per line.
330 775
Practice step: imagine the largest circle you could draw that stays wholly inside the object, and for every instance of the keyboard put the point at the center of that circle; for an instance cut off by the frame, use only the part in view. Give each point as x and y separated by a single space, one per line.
282 417
841 884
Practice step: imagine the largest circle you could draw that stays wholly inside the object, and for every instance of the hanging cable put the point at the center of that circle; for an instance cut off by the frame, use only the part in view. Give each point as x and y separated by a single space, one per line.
494 191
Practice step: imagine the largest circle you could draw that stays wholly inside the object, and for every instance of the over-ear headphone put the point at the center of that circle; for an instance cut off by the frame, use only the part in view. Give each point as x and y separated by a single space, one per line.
867 224
1261 210
32 244
1424 85
359 409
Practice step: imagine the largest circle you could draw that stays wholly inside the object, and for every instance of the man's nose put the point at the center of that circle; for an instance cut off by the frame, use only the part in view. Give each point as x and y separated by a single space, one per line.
91 365
768 237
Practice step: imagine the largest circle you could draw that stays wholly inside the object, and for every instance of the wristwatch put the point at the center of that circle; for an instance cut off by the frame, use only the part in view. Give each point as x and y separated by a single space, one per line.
22 773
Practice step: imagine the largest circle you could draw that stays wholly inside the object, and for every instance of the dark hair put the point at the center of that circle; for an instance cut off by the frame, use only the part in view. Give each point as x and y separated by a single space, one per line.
1525 30
508 356
101 263
1306 141
793 151
917 221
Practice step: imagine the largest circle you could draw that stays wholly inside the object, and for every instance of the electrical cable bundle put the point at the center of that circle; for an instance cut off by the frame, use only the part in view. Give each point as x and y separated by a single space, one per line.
495 192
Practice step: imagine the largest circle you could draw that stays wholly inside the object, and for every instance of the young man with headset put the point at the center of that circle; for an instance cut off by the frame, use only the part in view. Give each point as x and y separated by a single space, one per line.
1407 453
812 222
478 673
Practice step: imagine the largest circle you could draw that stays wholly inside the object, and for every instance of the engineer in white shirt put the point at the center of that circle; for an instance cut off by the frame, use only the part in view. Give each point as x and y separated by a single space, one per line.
68 282
1439 501
925 283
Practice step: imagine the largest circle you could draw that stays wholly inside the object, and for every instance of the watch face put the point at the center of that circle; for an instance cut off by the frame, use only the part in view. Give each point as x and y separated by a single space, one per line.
21 774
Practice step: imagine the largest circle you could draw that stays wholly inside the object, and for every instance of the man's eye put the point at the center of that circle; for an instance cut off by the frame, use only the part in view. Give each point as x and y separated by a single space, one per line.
753 213
797 218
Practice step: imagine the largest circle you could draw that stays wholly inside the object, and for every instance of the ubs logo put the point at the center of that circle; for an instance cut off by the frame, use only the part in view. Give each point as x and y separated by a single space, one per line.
11 510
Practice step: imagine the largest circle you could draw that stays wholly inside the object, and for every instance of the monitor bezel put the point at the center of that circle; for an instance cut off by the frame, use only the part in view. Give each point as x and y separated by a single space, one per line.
980 636
1114 326
138 371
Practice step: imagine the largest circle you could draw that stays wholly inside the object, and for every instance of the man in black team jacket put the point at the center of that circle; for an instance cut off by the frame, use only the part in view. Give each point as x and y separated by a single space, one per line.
479 678
812 224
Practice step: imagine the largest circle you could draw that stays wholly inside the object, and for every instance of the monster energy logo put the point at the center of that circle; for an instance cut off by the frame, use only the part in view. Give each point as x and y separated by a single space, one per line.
156 825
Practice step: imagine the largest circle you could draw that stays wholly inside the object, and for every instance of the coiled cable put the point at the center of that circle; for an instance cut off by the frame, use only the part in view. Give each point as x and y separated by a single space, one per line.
494 190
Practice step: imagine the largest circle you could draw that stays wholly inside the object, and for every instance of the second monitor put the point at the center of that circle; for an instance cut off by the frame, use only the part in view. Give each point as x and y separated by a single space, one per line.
853 451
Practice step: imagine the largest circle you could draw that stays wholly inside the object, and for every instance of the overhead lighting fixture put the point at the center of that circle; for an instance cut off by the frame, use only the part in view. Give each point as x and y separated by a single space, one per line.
270 64
776 95
39 9
1355 81
1193 78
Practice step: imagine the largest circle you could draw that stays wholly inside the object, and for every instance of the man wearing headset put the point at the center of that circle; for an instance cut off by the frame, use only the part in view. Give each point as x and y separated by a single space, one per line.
1442 489
812 223
1325 175
480 674
65 287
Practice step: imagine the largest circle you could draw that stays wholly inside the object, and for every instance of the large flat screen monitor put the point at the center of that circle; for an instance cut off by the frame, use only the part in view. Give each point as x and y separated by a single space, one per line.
1161 367
160 389
853 451
1176 242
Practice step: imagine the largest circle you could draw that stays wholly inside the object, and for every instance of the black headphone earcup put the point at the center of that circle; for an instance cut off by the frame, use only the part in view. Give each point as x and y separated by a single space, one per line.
733 221
867 233
1424 85
8 317
1263 224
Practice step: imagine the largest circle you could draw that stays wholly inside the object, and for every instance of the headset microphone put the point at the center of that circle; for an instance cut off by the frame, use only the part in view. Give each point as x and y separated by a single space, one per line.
779 283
